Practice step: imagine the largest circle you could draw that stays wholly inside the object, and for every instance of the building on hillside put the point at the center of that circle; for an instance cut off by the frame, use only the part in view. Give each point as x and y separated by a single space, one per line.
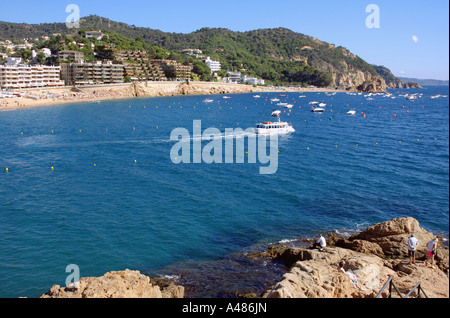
213 65
72 56
137 66
11 61
94 34
233 77
175 70
92 73
193 52
29 76
252 80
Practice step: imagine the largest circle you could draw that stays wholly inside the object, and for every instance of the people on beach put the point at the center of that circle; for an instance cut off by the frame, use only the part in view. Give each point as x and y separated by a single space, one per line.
412 247
320 243
431 251
352 276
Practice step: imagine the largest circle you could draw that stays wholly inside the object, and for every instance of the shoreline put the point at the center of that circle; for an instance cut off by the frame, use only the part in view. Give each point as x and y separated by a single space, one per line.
373 255
35 97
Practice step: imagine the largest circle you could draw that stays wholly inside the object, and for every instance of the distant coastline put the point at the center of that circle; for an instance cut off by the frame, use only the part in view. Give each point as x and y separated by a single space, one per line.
36 97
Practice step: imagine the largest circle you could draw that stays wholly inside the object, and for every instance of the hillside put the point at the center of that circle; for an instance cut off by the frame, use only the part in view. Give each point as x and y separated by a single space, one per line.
391 80
425 81
278 55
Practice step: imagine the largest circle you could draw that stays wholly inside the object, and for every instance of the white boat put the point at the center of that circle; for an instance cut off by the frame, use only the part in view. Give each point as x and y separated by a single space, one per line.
317 110
226 97
278 127
208 100
275 100
303 96
282 104
256 96
351 112
289 106
322 105
314 103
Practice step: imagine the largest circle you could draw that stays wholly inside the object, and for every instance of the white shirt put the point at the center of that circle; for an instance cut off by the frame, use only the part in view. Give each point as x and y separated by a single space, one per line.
322 241
430 246
412 243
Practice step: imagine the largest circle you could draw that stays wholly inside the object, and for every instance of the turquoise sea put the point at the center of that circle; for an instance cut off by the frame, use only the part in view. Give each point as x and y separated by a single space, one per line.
114 200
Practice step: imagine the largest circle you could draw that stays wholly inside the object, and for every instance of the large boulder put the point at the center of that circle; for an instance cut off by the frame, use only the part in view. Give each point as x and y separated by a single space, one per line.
315 274
392 237
124 284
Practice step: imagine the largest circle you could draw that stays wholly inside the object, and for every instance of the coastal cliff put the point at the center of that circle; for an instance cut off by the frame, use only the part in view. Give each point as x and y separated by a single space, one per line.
145 89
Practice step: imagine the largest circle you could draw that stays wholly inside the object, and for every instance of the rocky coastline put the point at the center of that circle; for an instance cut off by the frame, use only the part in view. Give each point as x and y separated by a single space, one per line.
373 256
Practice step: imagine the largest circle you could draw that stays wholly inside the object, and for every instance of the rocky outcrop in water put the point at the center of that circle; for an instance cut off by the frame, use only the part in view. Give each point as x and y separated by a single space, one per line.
372 256
412 85
124 284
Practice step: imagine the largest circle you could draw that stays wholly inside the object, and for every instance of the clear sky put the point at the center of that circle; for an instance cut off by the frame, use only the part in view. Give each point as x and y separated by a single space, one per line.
412 39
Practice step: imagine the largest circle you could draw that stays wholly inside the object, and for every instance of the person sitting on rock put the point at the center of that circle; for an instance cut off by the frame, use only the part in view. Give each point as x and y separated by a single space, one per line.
352 276
320 243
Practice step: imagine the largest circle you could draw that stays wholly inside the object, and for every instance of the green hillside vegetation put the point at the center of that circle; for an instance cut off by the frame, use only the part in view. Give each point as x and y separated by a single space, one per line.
278 55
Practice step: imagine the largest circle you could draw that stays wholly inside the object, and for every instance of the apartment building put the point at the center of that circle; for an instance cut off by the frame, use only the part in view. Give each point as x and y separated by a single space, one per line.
25 76
137 66
177 70
92 73
72 56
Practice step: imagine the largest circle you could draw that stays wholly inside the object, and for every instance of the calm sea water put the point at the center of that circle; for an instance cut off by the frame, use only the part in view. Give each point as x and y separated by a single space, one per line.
114 199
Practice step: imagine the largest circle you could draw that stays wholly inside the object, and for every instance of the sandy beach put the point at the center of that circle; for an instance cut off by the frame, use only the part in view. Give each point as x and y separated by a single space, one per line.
57 96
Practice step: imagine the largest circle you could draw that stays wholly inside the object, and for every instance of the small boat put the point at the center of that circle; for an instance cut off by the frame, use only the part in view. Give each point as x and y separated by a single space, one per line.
256 96
314 103
226 97
289 106
351 112
274 100
208 100
317 110
322 105
302 96
278 127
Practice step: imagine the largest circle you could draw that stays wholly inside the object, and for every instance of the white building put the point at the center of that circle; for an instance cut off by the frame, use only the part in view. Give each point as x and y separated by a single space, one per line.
46 51
94 34
213 65
252 80
14 61
23 76
233 77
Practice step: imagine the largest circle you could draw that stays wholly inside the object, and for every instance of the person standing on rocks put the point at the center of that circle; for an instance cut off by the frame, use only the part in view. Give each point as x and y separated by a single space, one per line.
431 251
412 247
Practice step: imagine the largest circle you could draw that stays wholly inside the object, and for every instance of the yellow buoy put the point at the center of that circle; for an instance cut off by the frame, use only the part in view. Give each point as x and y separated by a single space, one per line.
307 148
52 168
21 133
6 170
135 161
95 165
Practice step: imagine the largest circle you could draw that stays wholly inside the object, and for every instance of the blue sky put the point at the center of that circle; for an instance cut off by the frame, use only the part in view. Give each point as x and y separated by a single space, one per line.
341 22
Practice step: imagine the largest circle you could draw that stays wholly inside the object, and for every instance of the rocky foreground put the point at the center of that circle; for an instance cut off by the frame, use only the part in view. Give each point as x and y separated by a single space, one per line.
373 256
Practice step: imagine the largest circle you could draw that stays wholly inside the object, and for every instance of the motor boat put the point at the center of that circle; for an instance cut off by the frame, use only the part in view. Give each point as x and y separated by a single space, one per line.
277 127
